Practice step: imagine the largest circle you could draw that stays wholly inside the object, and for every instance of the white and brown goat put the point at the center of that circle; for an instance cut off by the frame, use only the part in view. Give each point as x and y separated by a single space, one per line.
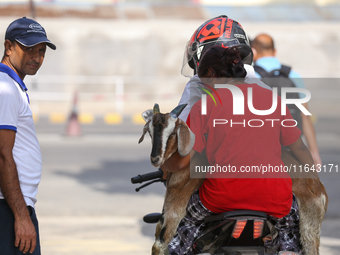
170 134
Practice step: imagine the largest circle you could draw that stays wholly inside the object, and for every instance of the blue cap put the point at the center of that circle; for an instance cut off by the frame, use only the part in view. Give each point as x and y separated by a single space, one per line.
28 33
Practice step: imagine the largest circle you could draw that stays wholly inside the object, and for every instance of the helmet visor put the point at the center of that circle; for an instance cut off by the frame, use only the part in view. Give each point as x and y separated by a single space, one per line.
194 51
188 61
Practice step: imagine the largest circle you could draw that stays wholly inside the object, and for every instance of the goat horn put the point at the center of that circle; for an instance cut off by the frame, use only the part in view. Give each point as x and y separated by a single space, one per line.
156 109
177 111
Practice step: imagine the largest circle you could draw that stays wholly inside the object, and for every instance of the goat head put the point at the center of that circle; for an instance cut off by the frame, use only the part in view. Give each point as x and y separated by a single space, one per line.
168 134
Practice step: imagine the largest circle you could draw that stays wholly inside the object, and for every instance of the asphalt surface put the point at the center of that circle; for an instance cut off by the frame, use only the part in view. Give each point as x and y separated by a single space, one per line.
87 204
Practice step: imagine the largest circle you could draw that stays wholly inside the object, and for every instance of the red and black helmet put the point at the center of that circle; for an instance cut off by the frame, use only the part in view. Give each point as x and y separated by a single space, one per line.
219 31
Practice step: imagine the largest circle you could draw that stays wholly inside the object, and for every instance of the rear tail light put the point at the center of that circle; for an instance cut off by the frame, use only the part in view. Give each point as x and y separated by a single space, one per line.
258 228
239 226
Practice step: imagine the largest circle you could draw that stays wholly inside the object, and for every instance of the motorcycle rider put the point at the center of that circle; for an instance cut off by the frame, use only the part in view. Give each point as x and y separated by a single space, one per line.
215 194
231 146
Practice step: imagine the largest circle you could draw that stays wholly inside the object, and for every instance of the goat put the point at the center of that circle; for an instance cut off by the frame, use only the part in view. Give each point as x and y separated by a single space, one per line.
170 134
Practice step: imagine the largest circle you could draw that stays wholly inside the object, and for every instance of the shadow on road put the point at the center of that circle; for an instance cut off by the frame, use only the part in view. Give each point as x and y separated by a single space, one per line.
114 177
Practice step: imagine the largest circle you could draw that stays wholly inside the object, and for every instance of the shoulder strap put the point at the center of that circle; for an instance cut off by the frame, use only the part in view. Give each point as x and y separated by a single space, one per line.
261 71
285 70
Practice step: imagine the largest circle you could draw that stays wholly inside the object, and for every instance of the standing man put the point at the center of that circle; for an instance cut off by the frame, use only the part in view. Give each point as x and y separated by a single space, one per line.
20 156
266 64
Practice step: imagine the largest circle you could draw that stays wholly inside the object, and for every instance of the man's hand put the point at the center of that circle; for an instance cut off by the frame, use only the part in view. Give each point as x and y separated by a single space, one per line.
25 235
309 133
317 159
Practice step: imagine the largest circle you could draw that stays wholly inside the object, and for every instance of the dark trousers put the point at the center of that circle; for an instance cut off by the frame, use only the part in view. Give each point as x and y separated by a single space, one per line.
7 235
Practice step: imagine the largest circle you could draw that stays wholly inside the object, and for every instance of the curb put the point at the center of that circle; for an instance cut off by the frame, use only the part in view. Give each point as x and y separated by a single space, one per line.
89 119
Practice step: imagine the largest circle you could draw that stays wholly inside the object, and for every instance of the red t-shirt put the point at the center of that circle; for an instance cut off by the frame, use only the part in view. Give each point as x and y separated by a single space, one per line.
239 145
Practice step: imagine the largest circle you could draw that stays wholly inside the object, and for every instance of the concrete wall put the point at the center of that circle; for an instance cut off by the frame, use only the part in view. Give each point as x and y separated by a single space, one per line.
93 55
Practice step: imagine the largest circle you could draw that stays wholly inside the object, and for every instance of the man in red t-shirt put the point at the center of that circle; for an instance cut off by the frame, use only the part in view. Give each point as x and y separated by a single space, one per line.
244 148
239 142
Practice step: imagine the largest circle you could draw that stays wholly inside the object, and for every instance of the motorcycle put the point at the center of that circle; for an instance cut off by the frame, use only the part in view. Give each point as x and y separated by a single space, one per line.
242 232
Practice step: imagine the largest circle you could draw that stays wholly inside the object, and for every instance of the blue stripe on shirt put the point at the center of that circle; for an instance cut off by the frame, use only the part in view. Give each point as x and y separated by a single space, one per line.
8 127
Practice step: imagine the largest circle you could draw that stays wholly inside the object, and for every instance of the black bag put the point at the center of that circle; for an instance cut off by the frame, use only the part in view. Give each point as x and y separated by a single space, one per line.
281 80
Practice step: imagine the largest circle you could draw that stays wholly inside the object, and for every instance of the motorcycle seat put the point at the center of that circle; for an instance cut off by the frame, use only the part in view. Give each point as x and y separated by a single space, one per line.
231 214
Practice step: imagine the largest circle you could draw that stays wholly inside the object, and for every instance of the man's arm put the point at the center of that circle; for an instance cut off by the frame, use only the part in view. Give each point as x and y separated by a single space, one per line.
190 96
309 132
301 152
25 235
307 125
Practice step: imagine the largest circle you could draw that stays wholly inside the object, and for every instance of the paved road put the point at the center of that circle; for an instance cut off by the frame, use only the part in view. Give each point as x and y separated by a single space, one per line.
87 205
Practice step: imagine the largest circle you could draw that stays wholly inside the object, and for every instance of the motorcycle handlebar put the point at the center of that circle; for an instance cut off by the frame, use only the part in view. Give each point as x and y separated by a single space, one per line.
147 177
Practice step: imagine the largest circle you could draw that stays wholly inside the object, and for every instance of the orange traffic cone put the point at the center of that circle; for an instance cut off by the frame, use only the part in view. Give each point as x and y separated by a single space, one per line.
73 126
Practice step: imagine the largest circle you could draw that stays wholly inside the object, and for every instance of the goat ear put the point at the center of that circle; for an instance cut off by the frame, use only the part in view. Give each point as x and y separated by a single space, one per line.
145 129
186 139
147 115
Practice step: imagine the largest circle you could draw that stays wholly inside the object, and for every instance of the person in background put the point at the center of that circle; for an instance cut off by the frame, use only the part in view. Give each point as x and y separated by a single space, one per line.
20 155
266 63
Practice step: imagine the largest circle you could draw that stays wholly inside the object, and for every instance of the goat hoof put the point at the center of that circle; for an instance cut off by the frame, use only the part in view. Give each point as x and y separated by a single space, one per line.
160 249
155 249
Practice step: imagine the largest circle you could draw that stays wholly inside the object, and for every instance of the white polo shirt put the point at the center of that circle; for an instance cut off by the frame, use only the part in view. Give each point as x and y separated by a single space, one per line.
16 114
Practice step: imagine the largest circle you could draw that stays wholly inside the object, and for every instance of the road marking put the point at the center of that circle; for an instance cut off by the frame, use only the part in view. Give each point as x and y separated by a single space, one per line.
86 118
118 139
113 118
35 118
57 118
314 119
138 119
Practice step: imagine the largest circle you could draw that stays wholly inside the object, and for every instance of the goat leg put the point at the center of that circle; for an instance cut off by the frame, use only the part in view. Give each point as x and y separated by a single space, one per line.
179 190
312 199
